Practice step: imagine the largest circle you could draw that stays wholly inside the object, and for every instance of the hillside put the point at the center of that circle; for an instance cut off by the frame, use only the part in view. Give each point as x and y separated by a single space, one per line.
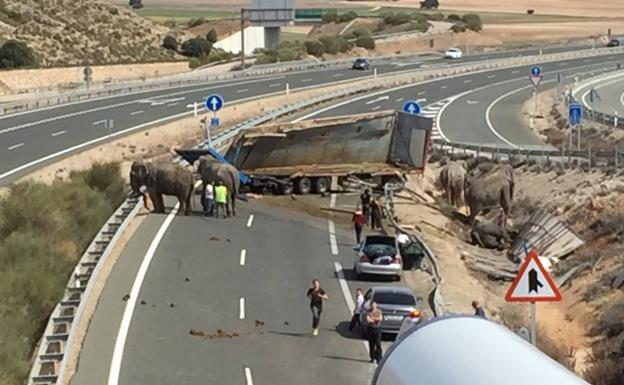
66 32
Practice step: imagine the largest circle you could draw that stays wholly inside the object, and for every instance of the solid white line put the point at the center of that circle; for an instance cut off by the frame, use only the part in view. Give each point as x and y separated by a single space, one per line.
136 112
488 121
250 220
332 200
385 97
346 293
243 255
399 100
375 108
122 334
99 122
15 146
242 90
58 133
248 377
172 104
332 238
241 308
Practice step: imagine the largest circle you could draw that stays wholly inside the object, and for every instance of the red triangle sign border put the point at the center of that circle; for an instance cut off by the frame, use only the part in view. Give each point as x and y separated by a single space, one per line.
532 256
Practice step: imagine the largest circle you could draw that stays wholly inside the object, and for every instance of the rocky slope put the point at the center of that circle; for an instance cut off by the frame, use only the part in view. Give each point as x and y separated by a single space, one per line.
75 32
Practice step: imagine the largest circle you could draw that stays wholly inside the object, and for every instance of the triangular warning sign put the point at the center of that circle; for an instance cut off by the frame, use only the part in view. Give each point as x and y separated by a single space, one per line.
532 283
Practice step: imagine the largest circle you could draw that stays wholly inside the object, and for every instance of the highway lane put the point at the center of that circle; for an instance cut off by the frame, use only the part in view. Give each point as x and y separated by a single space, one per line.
610 90
32 138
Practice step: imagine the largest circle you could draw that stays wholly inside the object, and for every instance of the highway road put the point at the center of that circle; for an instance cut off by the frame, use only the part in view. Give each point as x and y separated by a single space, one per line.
610 91
32 138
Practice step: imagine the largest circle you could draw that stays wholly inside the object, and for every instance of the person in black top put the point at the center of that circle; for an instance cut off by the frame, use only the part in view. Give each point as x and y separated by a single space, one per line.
317 295
479 312
376 215
365 199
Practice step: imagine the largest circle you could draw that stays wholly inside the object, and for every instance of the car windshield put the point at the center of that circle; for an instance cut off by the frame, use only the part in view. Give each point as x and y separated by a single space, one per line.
360 61
379 250
394 299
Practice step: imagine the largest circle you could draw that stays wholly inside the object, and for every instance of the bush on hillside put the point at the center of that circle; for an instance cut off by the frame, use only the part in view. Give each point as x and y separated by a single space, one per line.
314 47
347 17
16 54
358 33
285 51
335 44
170 42
473 22
458 28
436 17
44 229
380 26
420 26
365 42
195 22
196 47
397 18
212 36
453 18
215 55
330 17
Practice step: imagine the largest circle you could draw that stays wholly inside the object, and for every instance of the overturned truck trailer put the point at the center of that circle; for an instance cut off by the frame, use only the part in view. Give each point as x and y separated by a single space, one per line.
319 155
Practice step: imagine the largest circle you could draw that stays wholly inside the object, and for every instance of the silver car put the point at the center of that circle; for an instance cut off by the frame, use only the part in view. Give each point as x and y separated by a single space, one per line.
396 303
378 255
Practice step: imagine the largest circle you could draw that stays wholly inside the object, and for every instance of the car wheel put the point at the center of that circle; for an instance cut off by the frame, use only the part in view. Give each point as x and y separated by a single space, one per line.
321 185
304 185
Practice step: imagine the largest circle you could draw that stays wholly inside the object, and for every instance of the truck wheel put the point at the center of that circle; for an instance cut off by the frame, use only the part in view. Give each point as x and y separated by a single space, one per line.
321 185
304 185
286 188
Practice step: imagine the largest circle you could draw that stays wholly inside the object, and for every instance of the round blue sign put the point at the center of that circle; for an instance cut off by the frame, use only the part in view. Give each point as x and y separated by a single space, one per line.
411 107
536 71
214 102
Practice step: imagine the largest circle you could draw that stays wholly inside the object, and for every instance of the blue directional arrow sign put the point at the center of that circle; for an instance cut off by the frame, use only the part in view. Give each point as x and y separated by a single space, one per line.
411 107
214 102
536 71
575 113
214 122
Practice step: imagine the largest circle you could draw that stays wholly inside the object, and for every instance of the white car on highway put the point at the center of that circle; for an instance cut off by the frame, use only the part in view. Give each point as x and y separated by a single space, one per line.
453 53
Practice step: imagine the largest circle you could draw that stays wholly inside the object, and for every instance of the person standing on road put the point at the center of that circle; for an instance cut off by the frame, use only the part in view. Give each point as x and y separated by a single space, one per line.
376 214
317 295
365 199
358 224
479 312
373 330
359 302
208 200
220 193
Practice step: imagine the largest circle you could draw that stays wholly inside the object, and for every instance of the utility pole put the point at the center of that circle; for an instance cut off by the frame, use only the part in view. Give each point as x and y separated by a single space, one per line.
242 20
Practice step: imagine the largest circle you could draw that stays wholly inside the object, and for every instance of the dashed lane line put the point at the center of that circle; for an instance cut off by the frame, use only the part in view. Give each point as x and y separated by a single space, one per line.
13 147
136 112
248 378
241 308
332 238
243 256
58 133
250 220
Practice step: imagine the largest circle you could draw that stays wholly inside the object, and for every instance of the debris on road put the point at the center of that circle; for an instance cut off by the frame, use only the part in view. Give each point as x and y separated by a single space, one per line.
126 297
187 279
259 323
213 238
219 334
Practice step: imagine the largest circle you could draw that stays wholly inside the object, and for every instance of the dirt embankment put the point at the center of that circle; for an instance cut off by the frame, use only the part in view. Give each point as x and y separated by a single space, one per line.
574 329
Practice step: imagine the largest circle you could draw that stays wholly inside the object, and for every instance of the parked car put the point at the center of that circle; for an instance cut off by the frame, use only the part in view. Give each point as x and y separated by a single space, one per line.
378 255
453 53
616 42
397 303
361 64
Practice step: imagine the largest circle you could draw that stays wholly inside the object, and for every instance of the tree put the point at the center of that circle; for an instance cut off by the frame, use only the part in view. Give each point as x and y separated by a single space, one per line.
314 47
329 17
196 47
16 54
346 17
473 22
453 17
170 42
212 36
365 42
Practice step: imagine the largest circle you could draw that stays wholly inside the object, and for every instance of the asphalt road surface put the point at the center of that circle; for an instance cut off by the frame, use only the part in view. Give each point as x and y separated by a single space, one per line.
32 138
610 91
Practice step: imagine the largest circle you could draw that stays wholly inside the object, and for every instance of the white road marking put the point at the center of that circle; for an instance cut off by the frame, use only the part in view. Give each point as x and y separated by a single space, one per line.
122 334
58 133
248 377
250 220
443 87
472 102
136 112
421 93
468 81
275 85
172 104
332 238
306 80
488 121
241 308
243 255
242 90
515 72
422 100
491 76
13 147
399 100
155 101
99 122
385 97
338 75
346 293
332 200
375 108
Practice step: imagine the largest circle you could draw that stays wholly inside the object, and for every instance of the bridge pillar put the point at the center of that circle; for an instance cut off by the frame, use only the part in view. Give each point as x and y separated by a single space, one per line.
271 37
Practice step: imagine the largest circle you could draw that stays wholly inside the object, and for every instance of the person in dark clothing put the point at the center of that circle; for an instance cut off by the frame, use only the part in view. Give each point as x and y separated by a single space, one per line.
317 295
376 214
365 199
373 331
478 309
358 224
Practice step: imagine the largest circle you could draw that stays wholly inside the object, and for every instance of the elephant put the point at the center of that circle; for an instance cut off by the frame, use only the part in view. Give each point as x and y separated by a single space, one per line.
213 171
490 189
163 178
452 179
488 235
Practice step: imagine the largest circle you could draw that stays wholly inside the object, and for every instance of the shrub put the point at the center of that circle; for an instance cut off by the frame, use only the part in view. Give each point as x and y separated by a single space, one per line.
365 42
530 11
212 36
457 28
16 54
195 22
419 16
380 26
436 17
196 47
329 17
420 26
397 18
453 17
215 55
473 22
43 231
335 44
314 47
347 17
358 33
170 42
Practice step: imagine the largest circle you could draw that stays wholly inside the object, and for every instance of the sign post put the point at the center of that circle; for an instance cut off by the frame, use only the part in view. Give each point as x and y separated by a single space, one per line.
533 284
536 78
214 103
411 107
575 114
87 72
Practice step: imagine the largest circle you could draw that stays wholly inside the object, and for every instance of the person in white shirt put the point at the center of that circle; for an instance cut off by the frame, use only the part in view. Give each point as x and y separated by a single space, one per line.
208 201
359 303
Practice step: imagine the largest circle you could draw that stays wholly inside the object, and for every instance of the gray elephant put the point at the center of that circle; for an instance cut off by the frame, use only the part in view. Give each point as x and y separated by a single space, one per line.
452 179
489 190
213 171
488 235
162 178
